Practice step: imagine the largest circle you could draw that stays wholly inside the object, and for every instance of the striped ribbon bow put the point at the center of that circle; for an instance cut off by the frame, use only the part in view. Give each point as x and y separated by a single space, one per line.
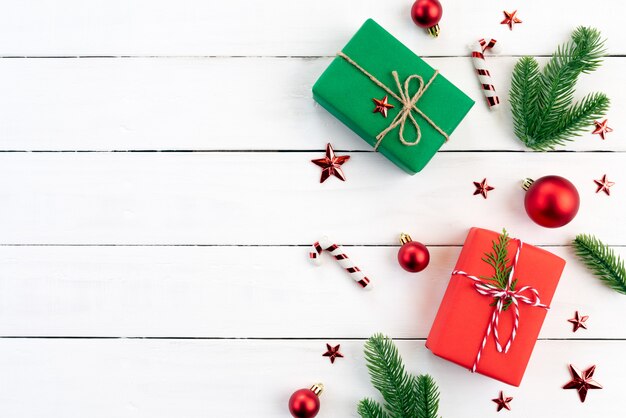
527 294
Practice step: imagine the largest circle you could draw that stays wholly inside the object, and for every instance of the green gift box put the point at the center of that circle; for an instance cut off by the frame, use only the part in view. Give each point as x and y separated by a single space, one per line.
426 106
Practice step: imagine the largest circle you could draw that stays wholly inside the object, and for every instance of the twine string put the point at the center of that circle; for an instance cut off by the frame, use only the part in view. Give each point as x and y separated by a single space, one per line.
526 294
408 101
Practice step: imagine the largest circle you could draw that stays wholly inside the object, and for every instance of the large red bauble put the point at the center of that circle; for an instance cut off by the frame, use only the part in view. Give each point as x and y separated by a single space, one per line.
413 256
304 403
426 13
552 201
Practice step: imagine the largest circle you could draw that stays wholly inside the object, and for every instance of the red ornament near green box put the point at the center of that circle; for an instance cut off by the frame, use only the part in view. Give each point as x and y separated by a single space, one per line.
427 107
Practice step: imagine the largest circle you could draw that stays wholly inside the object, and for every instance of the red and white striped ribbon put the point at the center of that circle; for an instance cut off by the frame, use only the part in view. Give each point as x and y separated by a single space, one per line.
503 295
342 258
478 59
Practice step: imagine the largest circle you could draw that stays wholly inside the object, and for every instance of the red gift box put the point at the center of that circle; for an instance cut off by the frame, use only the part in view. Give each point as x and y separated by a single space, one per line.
467 311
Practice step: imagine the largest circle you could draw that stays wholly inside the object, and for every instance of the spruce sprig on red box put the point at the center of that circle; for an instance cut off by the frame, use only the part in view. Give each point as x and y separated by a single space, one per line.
498 259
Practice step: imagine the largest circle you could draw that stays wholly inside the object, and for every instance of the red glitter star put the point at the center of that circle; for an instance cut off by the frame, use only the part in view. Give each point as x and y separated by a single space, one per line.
503 402
578 321
582 382
602 128
510 19
331 164
604 185
482 188
332 352
382 106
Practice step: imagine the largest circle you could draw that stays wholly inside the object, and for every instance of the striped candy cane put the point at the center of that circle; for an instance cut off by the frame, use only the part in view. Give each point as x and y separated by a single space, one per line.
478 48
342 258
515 296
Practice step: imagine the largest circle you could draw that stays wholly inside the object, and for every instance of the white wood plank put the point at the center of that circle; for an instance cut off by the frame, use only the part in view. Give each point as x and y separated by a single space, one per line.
160 378
276 198
248 291
282 27
243 104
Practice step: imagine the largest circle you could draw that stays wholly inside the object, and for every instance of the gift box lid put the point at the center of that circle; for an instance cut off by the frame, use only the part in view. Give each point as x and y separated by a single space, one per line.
347 93
464 314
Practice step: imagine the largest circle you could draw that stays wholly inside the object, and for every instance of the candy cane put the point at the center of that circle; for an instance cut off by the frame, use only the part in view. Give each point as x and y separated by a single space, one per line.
342 258
489 90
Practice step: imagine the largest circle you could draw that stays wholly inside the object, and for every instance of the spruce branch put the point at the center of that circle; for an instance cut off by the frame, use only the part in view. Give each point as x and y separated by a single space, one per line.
524 96
388 375
369 408
543 114
575 119
427 396
602 261
405 395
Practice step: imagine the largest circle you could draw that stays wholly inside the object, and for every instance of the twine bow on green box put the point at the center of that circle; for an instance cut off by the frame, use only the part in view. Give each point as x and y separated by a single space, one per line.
409 103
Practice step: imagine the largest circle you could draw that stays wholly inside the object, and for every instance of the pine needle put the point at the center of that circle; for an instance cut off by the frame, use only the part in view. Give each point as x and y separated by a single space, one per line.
405 395
602 261
544 115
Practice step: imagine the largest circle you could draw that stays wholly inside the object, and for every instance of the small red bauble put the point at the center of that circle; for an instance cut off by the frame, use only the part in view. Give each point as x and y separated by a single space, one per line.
413 256
551 201
305 403
427 14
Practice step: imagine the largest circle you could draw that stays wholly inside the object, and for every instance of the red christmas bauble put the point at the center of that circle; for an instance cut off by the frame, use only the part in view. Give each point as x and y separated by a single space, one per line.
551 201
413 256
305 403
426 13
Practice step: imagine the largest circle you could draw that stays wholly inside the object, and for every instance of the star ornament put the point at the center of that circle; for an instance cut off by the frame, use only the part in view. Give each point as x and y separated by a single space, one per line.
578 321
332 352
331 164
582 381
604 185
382 106
602 128
503 402
510 19
482 188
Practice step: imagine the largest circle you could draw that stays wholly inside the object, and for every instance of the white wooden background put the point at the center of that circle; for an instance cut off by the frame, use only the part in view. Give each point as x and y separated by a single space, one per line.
158 201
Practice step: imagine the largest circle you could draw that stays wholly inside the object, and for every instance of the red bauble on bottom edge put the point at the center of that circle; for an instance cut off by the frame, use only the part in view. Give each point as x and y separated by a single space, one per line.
551 201
305 403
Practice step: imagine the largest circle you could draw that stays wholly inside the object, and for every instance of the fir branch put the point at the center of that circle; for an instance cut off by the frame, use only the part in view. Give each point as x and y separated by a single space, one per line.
543 114
388 375
524 96
369 408
427 396
602 261
405 395
574 120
